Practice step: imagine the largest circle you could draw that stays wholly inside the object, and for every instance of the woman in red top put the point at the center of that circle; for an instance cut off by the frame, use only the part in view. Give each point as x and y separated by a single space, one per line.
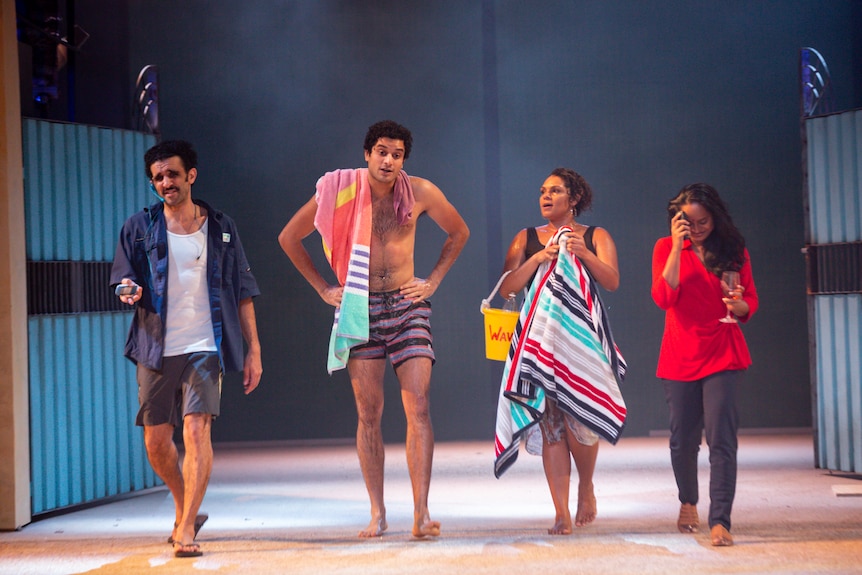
702 358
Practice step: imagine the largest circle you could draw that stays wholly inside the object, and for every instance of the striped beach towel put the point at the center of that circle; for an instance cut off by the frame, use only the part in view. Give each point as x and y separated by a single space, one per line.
343 220
562 348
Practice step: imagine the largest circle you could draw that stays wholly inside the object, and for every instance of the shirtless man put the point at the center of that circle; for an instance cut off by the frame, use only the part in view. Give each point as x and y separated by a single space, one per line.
393 287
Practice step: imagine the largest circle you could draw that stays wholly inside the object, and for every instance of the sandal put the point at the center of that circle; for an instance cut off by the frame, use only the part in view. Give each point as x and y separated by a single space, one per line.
199 522
183 550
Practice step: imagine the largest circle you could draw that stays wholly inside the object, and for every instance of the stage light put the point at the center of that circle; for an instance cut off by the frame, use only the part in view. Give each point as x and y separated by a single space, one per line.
40 25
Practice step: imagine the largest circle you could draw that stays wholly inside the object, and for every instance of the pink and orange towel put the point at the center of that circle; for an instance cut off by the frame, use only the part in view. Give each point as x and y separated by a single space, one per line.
343 220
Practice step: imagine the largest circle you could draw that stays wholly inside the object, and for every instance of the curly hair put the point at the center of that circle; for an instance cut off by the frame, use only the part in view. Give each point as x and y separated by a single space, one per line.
389 129
169 149
579 190
724 248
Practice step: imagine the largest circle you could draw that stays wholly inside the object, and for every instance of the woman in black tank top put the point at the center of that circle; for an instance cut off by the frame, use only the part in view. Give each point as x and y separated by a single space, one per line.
564 195
534 246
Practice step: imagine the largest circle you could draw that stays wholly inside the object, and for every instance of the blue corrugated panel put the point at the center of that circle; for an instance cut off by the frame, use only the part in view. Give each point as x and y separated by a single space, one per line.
839 385
835 177
835 216
83 403
81 182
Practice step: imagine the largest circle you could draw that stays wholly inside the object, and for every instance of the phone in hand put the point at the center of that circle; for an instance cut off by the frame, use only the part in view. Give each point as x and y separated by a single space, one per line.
684 216
126 289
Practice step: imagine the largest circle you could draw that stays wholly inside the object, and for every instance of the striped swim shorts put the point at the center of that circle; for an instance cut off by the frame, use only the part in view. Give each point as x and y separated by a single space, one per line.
398 327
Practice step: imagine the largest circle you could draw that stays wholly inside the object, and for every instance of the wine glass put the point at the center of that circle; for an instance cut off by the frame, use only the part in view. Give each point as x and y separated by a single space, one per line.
731 280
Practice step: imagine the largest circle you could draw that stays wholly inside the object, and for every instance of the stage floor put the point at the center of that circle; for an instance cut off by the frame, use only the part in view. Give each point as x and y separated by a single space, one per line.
297 509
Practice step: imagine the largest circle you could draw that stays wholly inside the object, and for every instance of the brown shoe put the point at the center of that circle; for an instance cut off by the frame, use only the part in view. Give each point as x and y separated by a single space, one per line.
720 536
688 521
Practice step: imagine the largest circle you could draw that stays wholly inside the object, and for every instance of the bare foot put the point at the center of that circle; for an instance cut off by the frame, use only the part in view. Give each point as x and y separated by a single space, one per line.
426 528
586 513
375 528
562 526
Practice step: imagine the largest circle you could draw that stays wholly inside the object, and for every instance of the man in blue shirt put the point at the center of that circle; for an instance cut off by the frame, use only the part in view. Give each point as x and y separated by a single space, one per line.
181 264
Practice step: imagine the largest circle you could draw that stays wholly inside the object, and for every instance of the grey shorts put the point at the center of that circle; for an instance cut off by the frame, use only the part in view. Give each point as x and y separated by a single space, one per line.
189 383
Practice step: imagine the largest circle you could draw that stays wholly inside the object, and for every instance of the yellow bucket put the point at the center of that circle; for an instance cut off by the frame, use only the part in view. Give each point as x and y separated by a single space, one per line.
499 328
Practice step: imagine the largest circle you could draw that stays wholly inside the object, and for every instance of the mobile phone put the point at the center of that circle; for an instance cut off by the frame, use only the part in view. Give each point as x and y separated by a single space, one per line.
684 216
125 289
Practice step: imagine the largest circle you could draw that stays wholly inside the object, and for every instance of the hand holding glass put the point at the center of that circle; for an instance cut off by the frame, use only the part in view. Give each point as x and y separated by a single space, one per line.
730 281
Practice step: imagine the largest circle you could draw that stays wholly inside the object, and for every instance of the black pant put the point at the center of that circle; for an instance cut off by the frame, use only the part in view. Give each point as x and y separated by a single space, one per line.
708 404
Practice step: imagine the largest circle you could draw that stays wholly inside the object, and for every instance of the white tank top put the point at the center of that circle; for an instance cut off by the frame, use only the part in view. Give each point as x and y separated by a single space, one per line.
189 324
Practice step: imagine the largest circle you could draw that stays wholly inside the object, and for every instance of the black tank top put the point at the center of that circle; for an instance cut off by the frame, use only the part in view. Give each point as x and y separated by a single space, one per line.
534 246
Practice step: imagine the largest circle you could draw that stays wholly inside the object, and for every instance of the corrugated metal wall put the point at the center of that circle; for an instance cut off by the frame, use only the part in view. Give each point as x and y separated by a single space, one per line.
80 184
835 217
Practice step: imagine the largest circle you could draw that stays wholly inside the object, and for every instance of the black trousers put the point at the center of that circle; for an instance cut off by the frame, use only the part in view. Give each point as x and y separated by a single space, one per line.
706 405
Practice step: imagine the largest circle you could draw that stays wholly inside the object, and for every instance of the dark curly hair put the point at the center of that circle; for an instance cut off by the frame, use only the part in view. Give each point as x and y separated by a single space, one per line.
389 129
724 248
169 149
579 190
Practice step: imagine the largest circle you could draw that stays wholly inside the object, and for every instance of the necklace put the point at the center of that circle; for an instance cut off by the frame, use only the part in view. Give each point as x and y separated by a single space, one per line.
549 227
193 226
203 233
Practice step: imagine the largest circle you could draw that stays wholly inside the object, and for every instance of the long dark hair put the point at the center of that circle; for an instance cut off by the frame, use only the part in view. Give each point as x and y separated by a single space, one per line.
724 248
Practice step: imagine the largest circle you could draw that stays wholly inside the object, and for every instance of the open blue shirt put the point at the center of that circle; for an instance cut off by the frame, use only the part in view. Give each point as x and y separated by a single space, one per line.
142 256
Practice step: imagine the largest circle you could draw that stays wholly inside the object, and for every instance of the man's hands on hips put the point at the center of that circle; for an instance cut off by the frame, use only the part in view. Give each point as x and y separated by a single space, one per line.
418 289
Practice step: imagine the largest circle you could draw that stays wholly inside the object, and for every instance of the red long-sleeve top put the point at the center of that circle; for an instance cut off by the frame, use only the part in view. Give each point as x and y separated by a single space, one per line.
695 343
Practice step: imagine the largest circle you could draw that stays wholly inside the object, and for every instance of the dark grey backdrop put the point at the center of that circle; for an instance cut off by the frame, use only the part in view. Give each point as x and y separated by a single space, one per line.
639 97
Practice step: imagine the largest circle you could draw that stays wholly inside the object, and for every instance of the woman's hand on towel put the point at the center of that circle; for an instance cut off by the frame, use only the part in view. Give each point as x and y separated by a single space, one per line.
418 289
548 254
575 244
332 295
